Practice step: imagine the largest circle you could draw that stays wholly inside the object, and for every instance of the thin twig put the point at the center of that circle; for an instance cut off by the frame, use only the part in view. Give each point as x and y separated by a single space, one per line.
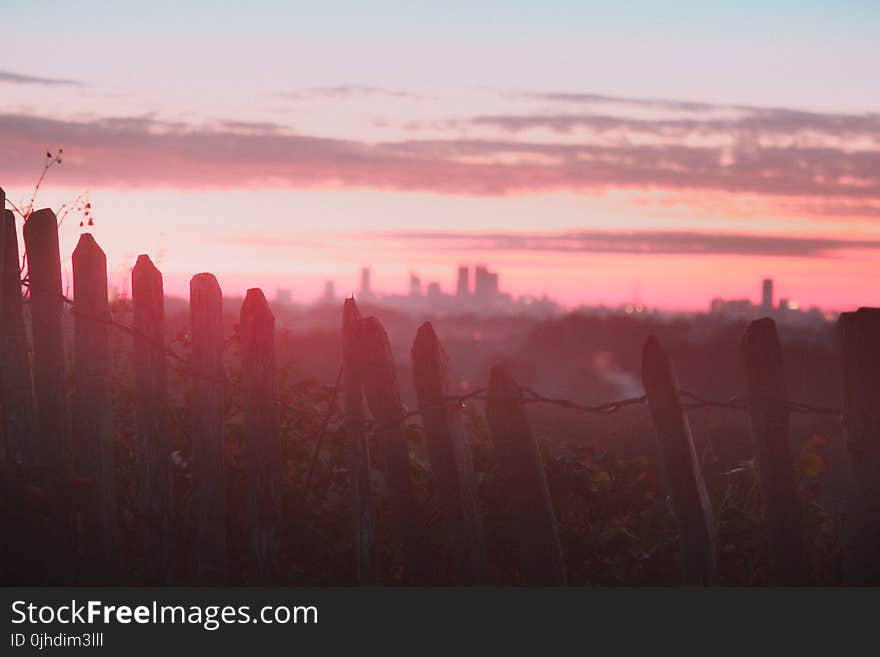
317 449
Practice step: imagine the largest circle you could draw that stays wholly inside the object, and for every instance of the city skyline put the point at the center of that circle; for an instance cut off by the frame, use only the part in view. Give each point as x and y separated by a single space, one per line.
487 297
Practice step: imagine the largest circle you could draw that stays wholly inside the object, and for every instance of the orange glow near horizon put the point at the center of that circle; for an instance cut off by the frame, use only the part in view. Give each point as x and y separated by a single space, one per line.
298 239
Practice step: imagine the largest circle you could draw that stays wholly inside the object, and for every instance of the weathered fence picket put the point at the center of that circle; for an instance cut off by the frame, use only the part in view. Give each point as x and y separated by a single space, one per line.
209 491
684 479
52 409
93 410
154 450
2 240
50 360
379 378
859 336
16 386
532 521
358 451
765 378
450 456
262 435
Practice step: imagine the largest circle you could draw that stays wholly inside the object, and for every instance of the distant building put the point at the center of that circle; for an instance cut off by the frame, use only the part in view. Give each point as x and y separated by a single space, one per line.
329 292
365 292
786 310
434 291
462 287
415 286
767 296
485 284
741 309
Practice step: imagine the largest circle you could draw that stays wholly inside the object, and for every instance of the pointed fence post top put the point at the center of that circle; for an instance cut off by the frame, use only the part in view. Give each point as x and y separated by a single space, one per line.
859 339
40 222
865 316
759 332
350 309
427 351
88 248
146 279
204 287
147 294
426 341
761 342
144 265
431 371
255 307
257 326
350 315
858 336
861 327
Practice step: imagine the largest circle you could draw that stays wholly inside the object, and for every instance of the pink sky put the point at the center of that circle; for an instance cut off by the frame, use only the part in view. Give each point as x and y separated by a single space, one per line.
570 182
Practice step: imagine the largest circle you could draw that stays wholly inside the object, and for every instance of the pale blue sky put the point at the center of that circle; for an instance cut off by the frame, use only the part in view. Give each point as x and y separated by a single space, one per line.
801 54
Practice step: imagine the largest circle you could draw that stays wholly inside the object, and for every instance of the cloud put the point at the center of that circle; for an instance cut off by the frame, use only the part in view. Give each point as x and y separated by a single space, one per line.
143 151
633 242
19 78
348 91
599 99
753 124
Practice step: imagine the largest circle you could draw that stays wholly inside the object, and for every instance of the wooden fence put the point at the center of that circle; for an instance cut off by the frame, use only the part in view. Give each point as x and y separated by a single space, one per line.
51 442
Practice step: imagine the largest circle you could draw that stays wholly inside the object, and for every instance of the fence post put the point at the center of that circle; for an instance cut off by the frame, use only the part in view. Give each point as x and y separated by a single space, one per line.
93 412
379 379
358 450
16 386
3 239
209 491
52 407
533 521
154 490
770 429
859 336
450 456
50 361
262 435
684 480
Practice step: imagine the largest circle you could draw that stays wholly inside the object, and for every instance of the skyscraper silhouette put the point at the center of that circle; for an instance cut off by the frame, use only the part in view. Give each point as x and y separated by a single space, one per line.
462 288
767 296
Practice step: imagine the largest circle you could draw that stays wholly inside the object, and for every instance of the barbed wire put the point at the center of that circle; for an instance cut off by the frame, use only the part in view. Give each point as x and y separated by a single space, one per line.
688 400
173 355
691 401
600 409
741 403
